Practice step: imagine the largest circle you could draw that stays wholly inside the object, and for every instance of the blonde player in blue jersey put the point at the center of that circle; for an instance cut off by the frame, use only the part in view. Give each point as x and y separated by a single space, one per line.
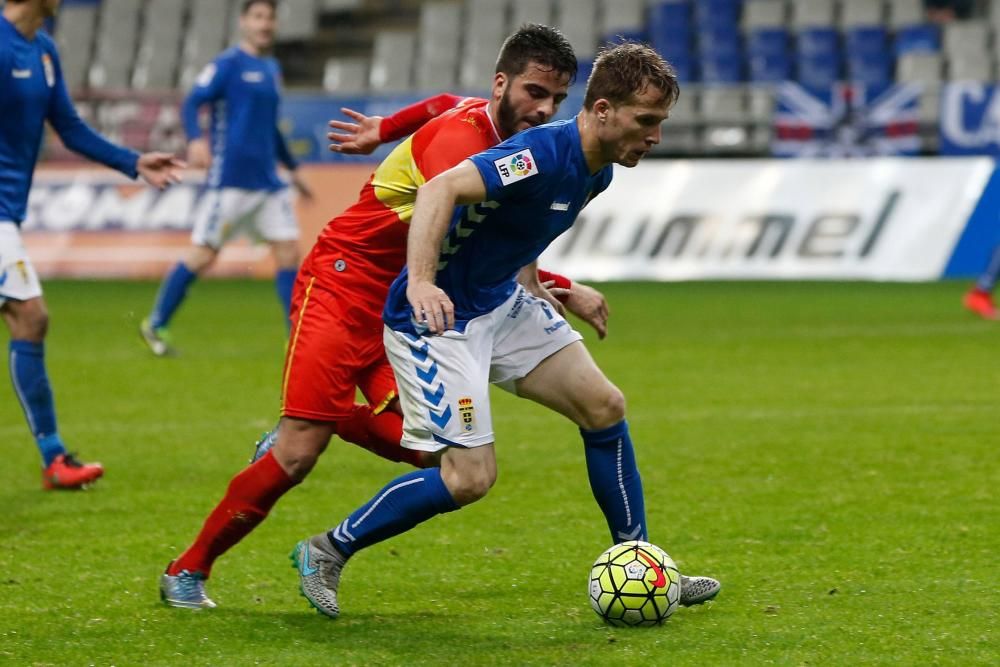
242 86
32 91
457 320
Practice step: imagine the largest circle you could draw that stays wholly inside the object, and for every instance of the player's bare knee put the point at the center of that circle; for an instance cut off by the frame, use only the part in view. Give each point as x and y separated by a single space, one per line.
606 411
28 320
469 483
299 446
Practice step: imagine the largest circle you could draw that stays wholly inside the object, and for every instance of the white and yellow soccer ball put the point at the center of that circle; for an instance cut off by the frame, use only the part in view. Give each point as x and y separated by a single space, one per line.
634 583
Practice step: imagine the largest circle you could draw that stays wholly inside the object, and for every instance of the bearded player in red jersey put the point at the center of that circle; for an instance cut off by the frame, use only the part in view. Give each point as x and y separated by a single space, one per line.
336 345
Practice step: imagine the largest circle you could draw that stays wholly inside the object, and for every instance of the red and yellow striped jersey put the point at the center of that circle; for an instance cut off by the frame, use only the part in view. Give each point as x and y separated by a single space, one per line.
362 250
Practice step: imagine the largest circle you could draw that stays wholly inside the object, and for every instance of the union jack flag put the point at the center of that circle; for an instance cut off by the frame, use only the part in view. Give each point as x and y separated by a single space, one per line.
852 120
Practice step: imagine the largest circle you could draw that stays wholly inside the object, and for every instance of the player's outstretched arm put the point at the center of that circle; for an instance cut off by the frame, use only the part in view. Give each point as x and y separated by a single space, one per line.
367 133
436 201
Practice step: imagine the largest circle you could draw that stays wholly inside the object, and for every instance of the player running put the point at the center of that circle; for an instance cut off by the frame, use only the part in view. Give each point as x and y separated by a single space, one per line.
456 320
336 340
979 299
244 192
32 90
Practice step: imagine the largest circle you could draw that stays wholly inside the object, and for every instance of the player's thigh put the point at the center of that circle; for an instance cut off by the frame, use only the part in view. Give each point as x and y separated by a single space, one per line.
222 212
328 350
275 220
21 301
571 383
443 384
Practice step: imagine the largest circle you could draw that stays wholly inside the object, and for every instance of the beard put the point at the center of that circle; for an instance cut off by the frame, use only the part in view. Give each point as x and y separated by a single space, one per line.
506 116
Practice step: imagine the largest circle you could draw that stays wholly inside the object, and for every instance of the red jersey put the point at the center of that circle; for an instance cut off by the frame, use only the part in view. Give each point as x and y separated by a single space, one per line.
363 249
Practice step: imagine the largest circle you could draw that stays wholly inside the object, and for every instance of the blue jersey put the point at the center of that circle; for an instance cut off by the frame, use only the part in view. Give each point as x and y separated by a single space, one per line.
32 91
536 184
244 92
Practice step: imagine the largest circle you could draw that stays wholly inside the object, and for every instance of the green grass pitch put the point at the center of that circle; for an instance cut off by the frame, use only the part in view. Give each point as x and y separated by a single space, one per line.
829 451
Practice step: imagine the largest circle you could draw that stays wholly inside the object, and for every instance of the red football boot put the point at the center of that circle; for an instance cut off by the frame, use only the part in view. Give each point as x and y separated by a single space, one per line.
981 303
66 472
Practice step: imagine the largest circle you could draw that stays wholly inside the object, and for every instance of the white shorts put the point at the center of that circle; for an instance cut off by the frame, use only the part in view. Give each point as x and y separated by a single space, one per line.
262 215
444 381
18 280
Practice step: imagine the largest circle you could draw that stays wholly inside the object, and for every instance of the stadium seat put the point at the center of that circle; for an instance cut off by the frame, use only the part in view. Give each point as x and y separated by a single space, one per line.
919 68
760 104
623 17
529 11
437 46
966 38
917 39
74 37
346 75
813 14
684 66
719 38
817 72
861 14
763 14
297 19
903 13
866 40
964 67
117 39
670 27
160 46
765 68
768 42
392 61
723 104
818 42
578 21
874 71
720 67
484 29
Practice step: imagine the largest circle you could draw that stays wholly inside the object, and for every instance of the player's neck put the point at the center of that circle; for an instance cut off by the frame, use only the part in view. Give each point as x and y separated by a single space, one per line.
25 18
590 143
248 48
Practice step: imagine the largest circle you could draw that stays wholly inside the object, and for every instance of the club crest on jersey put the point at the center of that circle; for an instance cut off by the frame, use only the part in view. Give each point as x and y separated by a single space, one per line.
516 167
22 268
467 412
49 69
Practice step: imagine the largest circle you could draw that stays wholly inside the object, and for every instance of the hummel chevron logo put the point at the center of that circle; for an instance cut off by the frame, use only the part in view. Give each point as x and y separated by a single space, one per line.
420 353
661 579
440 420
435 398
427 377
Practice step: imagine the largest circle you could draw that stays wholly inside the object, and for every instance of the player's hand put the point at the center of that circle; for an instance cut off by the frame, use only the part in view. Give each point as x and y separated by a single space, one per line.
431 307
586 303
358 138
302 188
199 154
159 169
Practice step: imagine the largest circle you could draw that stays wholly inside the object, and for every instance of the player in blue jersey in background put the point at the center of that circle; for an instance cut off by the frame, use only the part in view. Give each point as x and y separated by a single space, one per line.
457 320
32 91
242 85
979 299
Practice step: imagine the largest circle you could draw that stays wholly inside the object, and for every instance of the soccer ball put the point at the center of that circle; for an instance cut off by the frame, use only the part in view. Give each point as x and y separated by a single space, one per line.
634 583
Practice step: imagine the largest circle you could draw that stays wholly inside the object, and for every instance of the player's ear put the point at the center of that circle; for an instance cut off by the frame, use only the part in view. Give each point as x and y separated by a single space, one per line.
601 109
500 83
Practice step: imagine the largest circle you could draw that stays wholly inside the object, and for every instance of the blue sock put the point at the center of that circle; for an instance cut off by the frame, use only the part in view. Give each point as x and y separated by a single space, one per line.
31 384
988 280
401 505
173 289
284 281
614 479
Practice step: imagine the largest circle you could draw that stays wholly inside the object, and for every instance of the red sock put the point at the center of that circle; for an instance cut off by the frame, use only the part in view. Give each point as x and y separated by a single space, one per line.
250 496
379 434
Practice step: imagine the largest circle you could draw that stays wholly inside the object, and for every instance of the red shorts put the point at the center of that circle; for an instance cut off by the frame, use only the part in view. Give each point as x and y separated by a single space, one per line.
335 347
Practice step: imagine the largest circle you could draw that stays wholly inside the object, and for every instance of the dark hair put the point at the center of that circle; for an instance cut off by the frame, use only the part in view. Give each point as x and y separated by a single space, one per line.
624 71
247 4
540 44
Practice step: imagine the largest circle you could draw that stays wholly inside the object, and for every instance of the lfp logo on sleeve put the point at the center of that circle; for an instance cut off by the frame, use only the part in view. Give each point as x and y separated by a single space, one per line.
516 167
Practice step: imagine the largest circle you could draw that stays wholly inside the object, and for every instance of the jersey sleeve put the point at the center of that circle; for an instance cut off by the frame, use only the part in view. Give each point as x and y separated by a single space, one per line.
449 145
519 167
208 87
409 119
77 135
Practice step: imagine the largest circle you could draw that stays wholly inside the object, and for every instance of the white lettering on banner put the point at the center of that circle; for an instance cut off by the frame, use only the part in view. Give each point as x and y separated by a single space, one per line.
883 219
956 98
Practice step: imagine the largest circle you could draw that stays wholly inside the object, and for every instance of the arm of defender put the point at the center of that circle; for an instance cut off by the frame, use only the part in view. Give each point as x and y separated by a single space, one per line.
367 133
432 212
